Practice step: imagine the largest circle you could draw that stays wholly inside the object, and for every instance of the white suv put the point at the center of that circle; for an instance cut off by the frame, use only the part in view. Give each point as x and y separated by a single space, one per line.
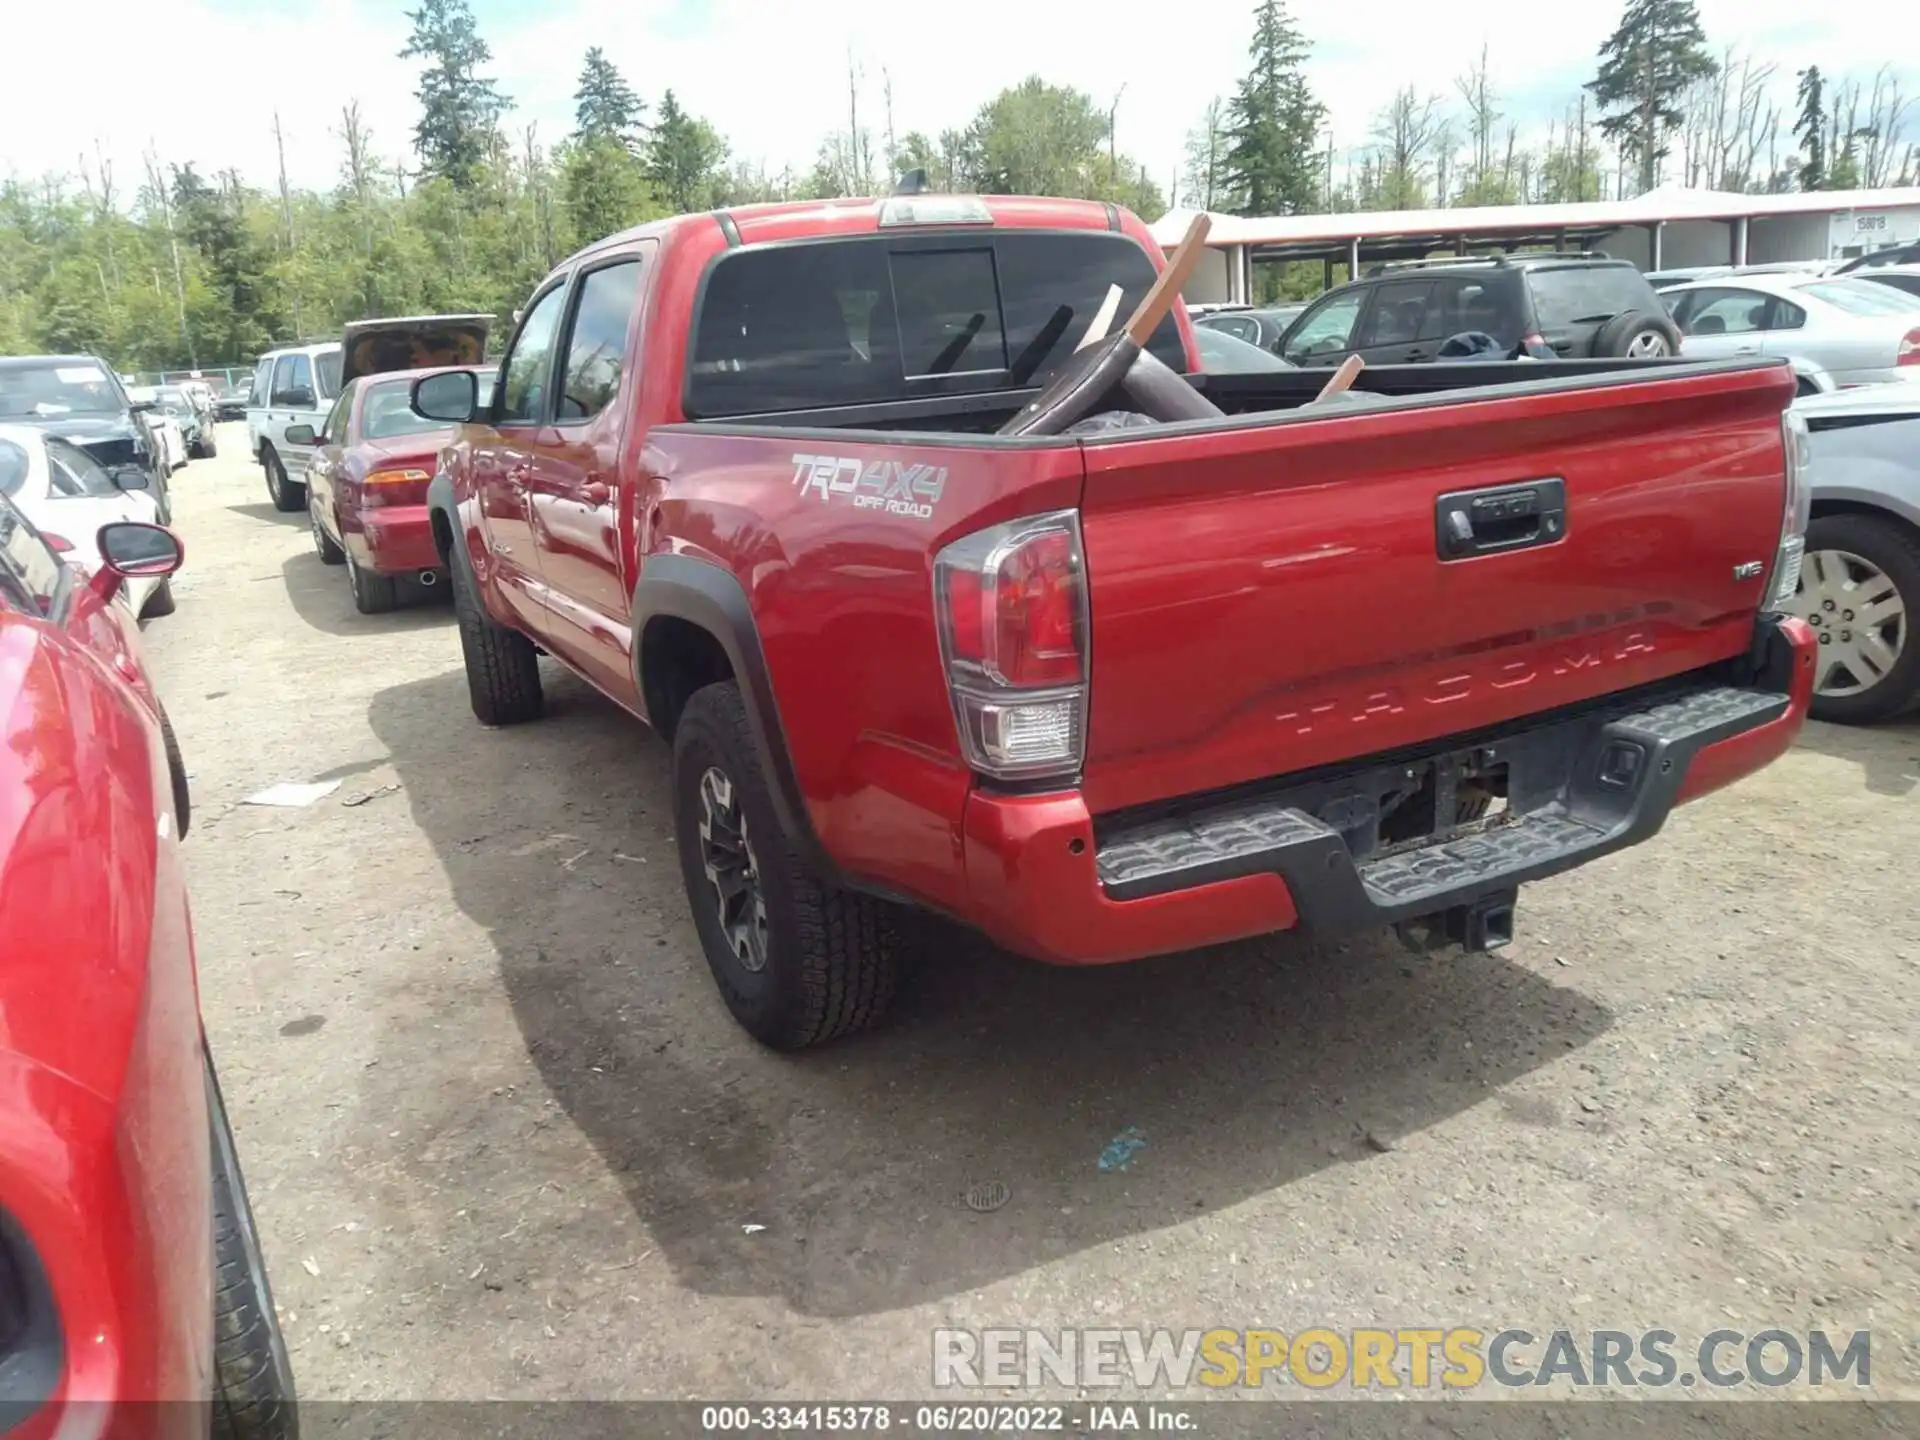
292 386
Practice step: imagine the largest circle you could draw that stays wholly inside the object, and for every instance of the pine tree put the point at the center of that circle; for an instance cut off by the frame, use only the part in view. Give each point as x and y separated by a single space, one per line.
1811 127
460 108
1647 66
605 106
684 158
1272 163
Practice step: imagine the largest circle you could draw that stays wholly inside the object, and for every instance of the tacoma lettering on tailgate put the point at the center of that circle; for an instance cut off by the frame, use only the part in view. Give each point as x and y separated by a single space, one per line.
1508 675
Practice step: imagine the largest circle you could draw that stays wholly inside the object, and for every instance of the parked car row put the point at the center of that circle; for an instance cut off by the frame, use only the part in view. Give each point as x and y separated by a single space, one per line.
331 425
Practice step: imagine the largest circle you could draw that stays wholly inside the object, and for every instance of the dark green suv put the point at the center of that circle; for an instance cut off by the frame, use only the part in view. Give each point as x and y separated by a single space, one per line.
1548 306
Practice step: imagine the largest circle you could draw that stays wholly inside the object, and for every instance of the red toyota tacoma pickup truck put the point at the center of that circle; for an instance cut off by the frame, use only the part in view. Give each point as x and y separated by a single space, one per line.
771 478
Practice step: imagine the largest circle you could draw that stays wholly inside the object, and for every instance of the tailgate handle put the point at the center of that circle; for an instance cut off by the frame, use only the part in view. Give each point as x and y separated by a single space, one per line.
1501 518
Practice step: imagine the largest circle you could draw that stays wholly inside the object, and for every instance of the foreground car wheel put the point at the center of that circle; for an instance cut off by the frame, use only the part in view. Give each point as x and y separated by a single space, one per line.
797 961
160 602
1859 590
323 544
503 670
253 1396
372 594
287 495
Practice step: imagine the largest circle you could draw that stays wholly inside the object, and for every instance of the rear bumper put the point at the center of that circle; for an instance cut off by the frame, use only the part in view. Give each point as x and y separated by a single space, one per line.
395 540
1047 880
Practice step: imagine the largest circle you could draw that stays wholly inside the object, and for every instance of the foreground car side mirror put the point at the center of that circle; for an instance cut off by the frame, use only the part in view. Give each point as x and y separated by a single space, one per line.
450 397
133 550
300 435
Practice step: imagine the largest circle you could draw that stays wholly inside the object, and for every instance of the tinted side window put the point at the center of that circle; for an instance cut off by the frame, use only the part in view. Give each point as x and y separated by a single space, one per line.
597 344
76 474
1588 294
1725 312
327 366
1399 314
523 375
1327 329
261 377
35 570
292 375
334 431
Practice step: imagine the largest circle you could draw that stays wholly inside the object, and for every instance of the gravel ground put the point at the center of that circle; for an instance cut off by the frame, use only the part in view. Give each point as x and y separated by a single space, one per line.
504 1140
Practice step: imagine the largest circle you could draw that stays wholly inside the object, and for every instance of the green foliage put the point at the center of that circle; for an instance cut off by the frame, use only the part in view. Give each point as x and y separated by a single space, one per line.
605 106
1646 68
460 108
684 159
1273 126
605 188
1041 139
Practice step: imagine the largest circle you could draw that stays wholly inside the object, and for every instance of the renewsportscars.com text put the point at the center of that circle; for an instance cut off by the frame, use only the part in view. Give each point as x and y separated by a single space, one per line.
1322 1358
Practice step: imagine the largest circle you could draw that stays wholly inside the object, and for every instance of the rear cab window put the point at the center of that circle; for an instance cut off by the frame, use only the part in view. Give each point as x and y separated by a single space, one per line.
1588 294
872 319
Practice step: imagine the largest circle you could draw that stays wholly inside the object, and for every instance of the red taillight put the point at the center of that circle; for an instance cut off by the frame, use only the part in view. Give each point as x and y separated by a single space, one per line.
1909 352
400 485
1012 606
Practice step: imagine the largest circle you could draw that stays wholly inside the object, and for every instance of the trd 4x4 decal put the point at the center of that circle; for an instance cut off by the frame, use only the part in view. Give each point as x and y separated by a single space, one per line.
894 486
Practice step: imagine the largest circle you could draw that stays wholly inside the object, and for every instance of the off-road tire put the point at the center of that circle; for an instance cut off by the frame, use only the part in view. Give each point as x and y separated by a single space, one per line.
373 594
1896 551
324 546
503 669
286 493
253 1394
176 776
831 954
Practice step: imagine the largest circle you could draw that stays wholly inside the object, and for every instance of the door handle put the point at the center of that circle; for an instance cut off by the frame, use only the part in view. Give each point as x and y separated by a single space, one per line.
1504 517
1748 350
596 492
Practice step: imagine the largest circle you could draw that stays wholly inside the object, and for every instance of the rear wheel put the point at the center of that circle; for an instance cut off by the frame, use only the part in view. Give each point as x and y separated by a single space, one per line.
160 602
1859 591
797 960
253 1397
503 670
287 494
372 594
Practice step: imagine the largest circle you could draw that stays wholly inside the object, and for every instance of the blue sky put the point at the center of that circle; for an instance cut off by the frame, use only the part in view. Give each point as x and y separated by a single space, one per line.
198 78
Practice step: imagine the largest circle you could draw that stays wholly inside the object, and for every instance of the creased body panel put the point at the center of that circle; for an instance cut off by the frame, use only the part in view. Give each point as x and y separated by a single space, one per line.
831 535
1272 598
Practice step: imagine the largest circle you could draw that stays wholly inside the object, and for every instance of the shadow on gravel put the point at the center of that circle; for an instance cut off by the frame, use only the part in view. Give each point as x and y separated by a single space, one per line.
322 597
1246 1068
265 510
1888 755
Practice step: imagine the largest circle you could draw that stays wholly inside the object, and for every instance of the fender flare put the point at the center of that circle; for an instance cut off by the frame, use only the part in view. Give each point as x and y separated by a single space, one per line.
705 595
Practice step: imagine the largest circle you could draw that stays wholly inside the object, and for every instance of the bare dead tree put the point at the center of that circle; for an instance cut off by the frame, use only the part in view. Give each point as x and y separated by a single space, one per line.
1476 89
161 195
893 145
541 194
286 220
1404 133
1884 129
359 174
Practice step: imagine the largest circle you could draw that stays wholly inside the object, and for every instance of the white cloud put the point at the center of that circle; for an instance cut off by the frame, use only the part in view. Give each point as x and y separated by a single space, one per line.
196 80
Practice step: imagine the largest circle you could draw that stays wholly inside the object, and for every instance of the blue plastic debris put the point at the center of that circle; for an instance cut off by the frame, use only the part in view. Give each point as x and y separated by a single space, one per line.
1122 1148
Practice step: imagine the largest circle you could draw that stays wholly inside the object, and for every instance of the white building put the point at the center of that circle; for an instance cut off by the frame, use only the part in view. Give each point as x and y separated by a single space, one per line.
1668 228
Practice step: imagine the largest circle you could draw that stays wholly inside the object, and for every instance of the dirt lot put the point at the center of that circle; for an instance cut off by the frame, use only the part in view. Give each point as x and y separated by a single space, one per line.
505 1141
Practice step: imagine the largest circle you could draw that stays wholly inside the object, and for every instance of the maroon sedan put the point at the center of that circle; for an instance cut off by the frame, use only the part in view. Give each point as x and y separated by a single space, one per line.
367 487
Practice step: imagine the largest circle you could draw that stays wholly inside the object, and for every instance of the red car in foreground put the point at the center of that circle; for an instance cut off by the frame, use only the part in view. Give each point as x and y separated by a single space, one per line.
130 1268
366 481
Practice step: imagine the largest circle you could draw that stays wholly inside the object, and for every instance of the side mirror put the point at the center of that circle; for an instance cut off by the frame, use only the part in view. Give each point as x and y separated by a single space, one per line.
133 550
451 397
300 435
132 477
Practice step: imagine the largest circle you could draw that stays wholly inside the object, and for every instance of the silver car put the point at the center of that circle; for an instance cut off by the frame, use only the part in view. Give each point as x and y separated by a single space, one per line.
1860 579
1859 332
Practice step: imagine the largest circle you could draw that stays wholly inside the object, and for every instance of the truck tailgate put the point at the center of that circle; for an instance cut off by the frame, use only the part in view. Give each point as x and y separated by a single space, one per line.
1273 597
